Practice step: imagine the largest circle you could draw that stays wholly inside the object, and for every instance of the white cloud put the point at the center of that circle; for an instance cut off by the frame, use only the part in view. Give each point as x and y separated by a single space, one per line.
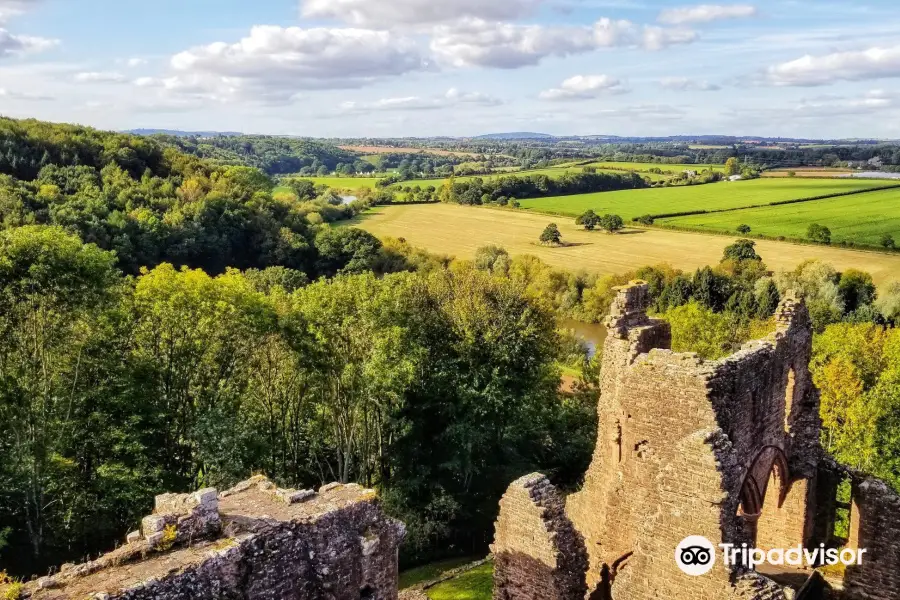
16 45
273 64
387 14
858 65
870 102
583 87
136 62
453 98
656 112
706 13
14 95
12 8
476 42
99 77
685 84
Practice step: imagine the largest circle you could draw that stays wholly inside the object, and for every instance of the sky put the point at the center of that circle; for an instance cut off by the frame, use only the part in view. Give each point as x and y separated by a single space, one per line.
418 68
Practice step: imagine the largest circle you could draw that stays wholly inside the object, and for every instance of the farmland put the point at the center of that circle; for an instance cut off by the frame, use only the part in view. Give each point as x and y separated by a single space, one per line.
461 230
341 183
644 167
860 218
403 150
713 196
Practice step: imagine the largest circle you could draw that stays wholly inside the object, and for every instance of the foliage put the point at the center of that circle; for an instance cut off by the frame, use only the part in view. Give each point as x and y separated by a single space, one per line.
743 229
551 234
741 250
818 233
437 387
588 219
857 370
611 223
152 204
477 190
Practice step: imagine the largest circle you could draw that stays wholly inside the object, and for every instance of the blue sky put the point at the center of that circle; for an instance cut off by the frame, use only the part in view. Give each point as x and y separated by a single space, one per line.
456 67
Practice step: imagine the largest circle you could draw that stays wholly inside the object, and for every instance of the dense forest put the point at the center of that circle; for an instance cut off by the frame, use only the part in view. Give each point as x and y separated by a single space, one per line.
151 204
168 323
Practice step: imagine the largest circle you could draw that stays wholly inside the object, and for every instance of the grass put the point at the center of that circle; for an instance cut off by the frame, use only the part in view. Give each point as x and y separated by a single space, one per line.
461 230
411 577
712 196
350 183
549 172
666 168
860 218
476 584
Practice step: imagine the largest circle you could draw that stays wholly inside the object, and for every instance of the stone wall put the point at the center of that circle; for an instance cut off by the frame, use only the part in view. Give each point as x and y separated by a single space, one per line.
538 555
875 526
254 541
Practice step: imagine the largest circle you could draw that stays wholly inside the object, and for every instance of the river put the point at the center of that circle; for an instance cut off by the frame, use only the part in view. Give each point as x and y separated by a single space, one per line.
593 334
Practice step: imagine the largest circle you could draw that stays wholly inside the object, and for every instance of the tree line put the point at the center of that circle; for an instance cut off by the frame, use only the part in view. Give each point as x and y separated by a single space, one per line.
504 190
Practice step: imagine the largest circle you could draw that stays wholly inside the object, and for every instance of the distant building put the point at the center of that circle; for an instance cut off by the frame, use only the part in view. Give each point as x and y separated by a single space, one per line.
876 162
735 178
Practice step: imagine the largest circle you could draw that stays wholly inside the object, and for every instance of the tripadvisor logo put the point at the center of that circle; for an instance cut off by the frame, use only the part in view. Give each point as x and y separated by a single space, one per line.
696 555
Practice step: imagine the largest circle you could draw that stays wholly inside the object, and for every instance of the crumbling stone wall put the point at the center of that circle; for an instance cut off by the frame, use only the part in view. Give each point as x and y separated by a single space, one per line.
875 526
254 541
538 555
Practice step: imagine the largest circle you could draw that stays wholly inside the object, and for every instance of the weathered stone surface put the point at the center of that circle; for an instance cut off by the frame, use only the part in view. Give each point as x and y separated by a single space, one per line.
538 555
726 449
337 545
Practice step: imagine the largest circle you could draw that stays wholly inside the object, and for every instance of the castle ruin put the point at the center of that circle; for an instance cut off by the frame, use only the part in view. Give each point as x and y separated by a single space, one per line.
254 541
728 450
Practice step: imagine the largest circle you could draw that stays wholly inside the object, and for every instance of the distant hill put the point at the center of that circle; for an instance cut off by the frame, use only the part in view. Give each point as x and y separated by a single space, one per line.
177 133
515 135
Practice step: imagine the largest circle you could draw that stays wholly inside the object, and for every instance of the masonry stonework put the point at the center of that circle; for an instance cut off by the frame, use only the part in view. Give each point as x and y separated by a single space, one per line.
726 449
254 541
537 552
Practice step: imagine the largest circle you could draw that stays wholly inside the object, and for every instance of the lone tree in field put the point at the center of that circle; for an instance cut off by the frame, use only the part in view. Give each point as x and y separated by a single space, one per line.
551 234
732 166
589 219
611 223
741 250
818 233
743 229
887 241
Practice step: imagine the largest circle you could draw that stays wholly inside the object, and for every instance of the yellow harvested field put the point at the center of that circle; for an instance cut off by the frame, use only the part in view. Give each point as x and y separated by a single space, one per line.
460 230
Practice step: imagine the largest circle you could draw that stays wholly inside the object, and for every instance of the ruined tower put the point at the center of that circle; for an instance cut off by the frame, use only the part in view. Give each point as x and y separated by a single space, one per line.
727 449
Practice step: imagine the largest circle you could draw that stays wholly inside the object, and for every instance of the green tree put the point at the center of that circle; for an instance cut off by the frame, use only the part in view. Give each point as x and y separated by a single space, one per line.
741 250
743 229
588 219
732 166
551 234
52 293
818 233
611 223
887 241
346 250
856 289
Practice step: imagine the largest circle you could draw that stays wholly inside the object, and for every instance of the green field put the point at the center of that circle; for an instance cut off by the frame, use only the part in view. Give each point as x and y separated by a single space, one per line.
713 196
549 172
643 167
348 183
861 218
